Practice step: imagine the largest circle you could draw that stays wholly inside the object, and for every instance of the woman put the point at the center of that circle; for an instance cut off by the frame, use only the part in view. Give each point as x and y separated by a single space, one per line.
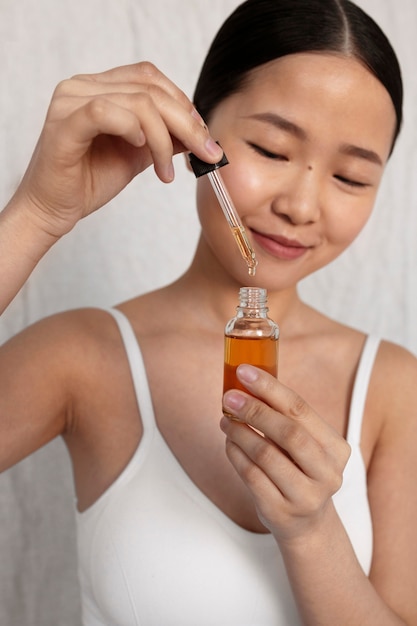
313 523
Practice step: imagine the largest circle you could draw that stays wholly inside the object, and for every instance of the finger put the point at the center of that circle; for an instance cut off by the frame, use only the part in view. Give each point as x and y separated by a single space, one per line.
96 117
151 105
320 455
129 77
138 118
284 400
138 73
268 498
86 86
78 87
158 139
284 498
255 457
287 453
151 130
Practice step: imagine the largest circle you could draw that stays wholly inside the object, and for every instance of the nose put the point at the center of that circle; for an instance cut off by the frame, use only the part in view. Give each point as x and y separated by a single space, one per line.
297 199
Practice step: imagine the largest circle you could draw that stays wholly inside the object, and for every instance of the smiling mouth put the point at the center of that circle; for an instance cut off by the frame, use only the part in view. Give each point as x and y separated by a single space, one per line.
280 247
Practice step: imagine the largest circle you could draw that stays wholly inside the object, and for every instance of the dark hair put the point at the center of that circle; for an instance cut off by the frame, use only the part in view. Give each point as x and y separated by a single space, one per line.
259 31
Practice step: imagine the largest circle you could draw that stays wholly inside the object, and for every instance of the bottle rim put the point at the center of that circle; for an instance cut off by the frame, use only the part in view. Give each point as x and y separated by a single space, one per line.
253 297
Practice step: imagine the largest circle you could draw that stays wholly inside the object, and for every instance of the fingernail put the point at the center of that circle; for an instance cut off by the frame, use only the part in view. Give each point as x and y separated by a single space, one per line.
224 423
233 401
169 172
213 148
247 373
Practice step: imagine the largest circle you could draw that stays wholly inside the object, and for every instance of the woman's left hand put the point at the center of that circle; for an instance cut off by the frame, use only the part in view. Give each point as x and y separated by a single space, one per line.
293 465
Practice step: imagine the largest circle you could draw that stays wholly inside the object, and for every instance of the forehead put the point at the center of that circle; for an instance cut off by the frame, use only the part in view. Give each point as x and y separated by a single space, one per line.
314 68
321 92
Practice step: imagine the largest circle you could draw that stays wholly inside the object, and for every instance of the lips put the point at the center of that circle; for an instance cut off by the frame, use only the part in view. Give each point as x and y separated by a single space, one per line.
280 247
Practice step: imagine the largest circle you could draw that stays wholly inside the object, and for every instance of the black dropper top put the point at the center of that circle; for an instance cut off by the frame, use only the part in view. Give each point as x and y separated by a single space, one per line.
201 167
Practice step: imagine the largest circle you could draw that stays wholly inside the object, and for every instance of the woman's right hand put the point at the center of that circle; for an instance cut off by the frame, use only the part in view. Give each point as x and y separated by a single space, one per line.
101 130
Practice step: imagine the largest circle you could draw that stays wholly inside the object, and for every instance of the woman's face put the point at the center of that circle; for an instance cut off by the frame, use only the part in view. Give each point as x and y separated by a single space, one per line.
307 140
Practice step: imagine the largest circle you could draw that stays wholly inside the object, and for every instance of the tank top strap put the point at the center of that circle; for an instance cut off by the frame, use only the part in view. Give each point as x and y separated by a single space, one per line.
360 389
137 368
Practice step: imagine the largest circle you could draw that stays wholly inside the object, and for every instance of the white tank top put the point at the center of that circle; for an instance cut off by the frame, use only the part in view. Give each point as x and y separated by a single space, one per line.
155 551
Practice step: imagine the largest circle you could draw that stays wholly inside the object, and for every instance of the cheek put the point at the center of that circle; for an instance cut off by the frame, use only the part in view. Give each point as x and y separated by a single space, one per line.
345 224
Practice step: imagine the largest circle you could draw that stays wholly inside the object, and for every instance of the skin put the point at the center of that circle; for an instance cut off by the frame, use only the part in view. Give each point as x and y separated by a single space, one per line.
298 182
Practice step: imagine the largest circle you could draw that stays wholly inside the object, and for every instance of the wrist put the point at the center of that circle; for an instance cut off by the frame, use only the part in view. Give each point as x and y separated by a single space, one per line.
311 536
23 242
24 226
24 239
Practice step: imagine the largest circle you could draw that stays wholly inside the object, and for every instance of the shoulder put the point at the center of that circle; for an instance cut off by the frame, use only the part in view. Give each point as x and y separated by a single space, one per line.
57 376
392 393
395 373
62 329
64 343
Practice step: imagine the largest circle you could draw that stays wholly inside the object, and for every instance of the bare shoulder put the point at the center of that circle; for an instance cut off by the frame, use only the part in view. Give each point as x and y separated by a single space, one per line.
63 336
46 370
391 406
77 349
394 381
390 427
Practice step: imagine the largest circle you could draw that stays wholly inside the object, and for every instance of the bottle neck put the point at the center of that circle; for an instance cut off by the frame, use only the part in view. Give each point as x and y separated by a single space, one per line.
252 302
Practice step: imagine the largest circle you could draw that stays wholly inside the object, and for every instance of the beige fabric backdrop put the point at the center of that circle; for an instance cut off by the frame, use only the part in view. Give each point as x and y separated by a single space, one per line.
146 237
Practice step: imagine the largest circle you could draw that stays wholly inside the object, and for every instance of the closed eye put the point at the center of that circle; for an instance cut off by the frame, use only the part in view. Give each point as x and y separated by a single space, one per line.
350 182
266 153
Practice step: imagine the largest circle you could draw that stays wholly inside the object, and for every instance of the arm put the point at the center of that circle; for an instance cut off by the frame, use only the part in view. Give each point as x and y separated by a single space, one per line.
36 379
292 475
101 131
22 245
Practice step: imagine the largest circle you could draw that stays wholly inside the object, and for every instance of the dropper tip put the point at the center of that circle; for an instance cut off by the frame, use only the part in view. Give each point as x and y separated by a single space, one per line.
252 267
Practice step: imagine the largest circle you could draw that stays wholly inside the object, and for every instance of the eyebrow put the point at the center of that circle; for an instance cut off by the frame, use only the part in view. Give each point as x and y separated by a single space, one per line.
280 122
293 129
361 153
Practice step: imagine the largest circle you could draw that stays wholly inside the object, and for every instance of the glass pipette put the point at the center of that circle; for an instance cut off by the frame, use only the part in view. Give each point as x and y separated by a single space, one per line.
201 168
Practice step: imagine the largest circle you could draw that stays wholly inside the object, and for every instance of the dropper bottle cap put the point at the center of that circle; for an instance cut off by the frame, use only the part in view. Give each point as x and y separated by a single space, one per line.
200 168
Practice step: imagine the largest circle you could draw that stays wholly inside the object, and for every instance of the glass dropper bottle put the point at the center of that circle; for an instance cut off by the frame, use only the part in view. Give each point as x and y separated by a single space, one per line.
250 337
201 168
